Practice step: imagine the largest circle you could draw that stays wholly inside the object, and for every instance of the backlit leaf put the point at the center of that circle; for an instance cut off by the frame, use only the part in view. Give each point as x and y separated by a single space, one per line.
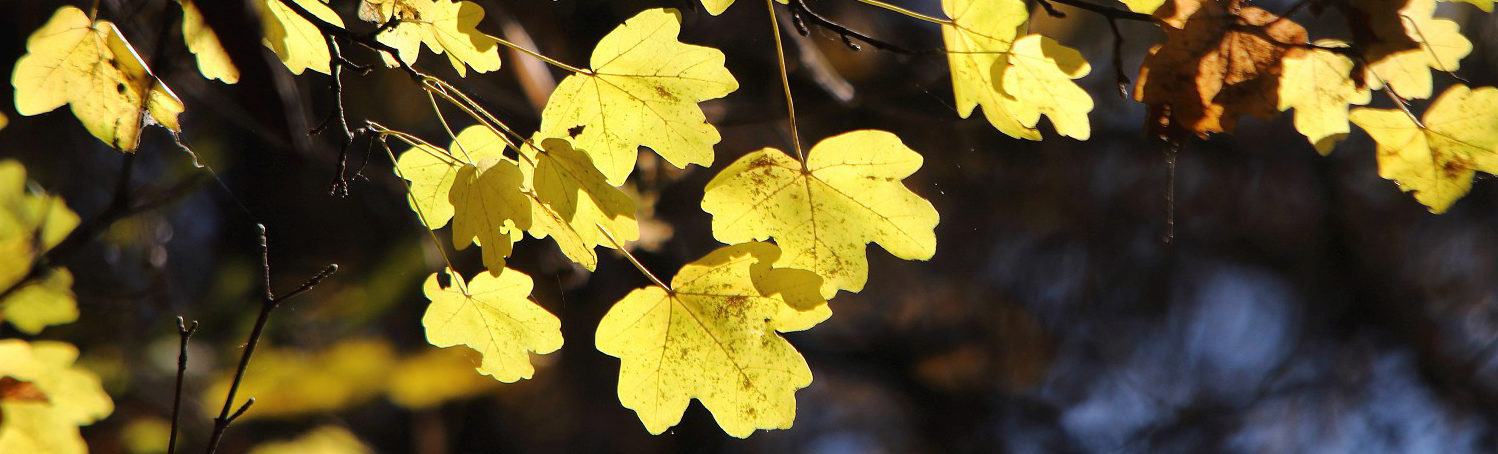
573 191
1408 44
431 171
444 26
91 67
1218 62
73 397
31 224
435 376
643 89
495 316
286 382
298 42
1485 5
213 62
1317 84
1016 80
322 440
976 40
489 208
1143 6
1437 158
850 194
713 337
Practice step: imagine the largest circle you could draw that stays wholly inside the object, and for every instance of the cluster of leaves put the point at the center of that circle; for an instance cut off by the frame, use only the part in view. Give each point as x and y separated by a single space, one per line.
44 397
713 333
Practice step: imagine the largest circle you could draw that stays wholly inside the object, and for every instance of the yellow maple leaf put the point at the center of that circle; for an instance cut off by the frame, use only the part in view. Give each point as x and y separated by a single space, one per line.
73 397
849 194
712 336
1437 157
489 209
298 42
89 65
1016 80
1410 45
577 201
435 376
443 25
1317 85
431 171
31 224
322 440
494 315
1485 5
286 381
642 90
213 61
1143 6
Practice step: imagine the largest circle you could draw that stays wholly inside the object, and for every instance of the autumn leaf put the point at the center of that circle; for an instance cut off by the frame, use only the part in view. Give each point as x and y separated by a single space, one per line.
30 225
1220 62
322 440
89 65
1436 157
1485 5
298 42
489 209
443 26
1316 83
72 397
213 61
576 202
1403 43
286 382
642 90
494 315
431 171
979 34
436 375
712 336
849 194
1143 6
1015 80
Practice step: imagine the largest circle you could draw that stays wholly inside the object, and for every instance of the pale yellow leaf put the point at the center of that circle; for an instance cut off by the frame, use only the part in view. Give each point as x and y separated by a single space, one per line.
90 66
1437 158
850 194
1317 84
213 61
643 89
713 337
492 314
298 42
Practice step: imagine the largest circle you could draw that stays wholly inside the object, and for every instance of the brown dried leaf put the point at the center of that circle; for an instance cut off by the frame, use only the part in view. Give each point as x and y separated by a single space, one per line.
1219 60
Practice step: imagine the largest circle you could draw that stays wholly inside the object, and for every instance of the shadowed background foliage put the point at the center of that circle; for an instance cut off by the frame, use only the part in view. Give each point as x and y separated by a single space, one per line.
1302 304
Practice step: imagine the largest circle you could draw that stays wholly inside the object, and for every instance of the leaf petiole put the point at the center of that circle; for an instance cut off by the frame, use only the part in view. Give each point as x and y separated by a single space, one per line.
931 19
635 261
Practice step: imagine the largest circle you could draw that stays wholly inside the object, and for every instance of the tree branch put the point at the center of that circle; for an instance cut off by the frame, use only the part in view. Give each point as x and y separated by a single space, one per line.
267 304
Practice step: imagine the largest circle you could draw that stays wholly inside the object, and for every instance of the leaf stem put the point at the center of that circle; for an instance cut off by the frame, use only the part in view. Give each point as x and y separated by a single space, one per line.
417 208
446 127
635 261
538 55
785 83
931 19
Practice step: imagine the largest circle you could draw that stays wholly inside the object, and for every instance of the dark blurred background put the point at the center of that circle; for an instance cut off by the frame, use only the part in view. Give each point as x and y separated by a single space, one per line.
1303 304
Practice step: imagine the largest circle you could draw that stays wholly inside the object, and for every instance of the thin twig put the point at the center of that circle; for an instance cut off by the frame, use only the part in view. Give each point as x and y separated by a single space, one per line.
802 13
1105 11
184 332
268 303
